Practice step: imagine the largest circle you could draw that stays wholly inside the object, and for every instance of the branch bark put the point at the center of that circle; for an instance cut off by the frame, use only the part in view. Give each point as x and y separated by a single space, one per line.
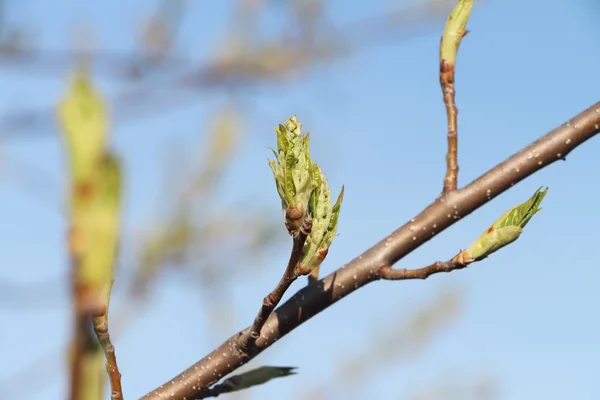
447 209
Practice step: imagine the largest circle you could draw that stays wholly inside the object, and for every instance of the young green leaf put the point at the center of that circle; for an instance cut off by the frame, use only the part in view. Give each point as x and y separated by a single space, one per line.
454 30
505 230
292 170
325 221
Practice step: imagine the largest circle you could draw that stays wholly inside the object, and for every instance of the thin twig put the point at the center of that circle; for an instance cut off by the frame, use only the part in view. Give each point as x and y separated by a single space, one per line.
114 376
388 273
272 299
453 34
442 213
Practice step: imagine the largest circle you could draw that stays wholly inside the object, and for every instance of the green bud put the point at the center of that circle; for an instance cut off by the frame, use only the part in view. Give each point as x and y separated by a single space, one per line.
505 230
324 227
83 120
99 220
292 170
454 30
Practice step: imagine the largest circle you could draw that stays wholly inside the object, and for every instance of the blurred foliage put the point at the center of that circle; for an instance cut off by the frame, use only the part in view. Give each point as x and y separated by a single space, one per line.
458 388
246 57
94 229
391 345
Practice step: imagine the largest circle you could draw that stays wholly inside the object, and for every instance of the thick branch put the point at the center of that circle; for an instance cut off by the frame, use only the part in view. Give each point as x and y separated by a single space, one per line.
445 211
272 299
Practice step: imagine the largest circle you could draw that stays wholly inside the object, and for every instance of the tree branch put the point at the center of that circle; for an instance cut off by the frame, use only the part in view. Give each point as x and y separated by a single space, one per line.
272 299
443 212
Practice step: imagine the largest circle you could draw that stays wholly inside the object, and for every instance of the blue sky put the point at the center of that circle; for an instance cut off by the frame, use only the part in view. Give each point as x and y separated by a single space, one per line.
377 126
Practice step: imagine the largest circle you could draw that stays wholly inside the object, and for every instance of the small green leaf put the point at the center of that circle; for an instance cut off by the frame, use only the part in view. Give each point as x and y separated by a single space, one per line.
335 214
505 230
520 215
282 140
292 170
325 220
290 189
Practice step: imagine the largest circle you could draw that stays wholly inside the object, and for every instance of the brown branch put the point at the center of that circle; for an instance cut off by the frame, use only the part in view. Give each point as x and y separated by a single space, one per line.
366 268
459 261
112 369
388 273
447 84
453 34
271 300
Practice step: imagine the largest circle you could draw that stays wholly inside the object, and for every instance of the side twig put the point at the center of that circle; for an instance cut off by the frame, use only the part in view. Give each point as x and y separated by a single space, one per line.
112 369
453 34
457 262
272 299
442 213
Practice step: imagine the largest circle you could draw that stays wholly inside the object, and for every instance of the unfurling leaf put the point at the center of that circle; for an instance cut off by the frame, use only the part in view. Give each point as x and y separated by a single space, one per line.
325 221
292 170
505 230
304 193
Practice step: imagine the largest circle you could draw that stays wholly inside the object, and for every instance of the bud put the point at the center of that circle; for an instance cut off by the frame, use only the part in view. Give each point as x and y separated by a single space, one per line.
292 170
83 120
325 221
504 231
99 220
